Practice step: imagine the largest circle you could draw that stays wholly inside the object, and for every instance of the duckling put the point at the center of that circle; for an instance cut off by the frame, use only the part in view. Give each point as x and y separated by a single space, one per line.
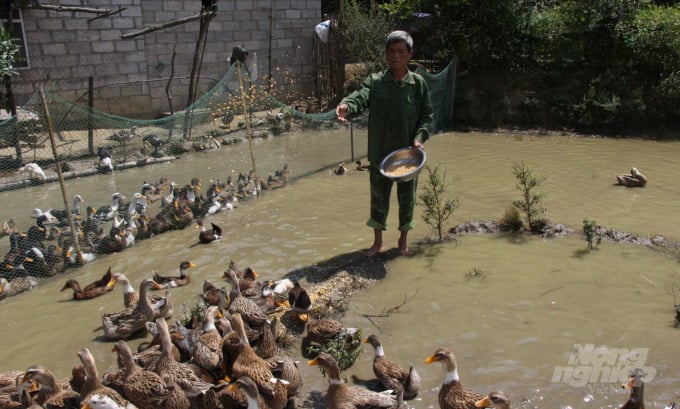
174 281
343 396
452 394
208 235
404 384
300 302
495 399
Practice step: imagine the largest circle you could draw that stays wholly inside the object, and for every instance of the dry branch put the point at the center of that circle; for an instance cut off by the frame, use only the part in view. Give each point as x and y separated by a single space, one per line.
171 23
107 14
396 308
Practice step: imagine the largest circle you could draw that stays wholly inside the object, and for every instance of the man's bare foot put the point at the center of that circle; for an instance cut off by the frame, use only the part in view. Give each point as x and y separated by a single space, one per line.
405 251
373 251
403 248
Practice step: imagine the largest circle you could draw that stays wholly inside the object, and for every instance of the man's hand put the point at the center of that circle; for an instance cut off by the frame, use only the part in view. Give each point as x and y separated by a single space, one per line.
341 112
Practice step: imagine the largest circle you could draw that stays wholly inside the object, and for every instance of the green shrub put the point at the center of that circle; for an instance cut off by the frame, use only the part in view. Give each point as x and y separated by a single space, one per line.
531 203
592 236
437 208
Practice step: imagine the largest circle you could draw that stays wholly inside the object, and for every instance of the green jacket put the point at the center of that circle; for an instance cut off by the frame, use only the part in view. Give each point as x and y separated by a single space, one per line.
400 112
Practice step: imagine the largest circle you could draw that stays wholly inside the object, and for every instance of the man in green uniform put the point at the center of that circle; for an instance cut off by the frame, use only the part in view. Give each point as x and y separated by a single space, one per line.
400 113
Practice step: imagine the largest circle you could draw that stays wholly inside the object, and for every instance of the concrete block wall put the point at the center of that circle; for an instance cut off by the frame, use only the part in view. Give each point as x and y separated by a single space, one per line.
65 49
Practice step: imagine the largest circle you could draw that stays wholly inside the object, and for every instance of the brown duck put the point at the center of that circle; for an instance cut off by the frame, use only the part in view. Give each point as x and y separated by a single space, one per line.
174 281
247 308
495 399
50 394
205 235
207 349
343 396
145 389
247 363
93 384
404 384
452 394
90 291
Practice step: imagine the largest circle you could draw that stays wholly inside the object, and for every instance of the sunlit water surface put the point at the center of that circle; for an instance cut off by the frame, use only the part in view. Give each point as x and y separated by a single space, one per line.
514 325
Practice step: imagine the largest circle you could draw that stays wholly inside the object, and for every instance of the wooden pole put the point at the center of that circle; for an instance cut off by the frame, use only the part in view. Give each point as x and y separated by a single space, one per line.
90 104
71 223
172 23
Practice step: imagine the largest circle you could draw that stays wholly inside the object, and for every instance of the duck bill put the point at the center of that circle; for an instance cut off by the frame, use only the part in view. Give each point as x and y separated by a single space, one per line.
483 403
430 359
313 362
111 283
629 385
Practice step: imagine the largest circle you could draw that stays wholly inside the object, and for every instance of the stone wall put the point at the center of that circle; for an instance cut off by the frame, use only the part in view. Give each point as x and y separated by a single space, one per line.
130 76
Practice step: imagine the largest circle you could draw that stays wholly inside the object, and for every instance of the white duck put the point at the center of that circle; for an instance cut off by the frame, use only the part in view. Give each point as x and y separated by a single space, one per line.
34 172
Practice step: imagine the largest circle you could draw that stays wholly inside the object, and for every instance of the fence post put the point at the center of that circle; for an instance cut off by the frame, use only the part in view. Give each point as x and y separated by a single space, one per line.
69 216
90 105
351 138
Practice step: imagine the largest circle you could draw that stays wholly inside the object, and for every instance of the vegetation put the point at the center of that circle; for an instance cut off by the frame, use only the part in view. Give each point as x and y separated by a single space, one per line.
437 208
531 204
592 236
8 55
599 65
476 274
344 348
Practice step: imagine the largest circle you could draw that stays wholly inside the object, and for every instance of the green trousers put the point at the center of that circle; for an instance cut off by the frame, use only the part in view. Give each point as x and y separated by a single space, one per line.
381 188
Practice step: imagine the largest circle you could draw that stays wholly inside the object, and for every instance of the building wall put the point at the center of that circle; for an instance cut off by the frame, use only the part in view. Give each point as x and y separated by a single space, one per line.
130 76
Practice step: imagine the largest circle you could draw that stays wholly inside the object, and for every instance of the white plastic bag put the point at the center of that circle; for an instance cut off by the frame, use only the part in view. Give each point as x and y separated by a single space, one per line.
322 30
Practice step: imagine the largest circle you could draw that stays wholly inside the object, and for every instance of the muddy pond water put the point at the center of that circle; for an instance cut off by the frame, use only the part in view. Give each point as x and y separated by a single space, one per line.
520 314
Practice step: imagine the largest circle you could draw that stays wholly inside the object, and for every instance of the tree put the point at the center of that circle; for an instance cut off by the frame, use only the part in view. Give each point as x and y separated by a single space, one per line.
8 55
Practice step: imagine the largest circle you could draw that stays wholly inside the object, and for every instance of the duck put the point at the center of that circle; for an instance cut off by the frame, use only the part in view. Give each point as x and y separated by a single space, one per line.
180 373
106 213
249 389
635 179
299 301
341 169
8 227
62 214
105 159
361 167
405 384
93 384
247 308
50 394
98 401
207 348
87 294
34 172
14 393
208 235
16 285
174 281
212 294
248 363
145 389
636 386
452 394
96 288
131 321
343 396
323 330
495 399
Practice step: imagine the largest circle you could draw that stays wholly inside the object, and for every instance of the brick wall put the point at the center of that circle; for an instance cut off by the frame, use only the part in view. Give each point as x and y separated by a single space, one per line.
130 75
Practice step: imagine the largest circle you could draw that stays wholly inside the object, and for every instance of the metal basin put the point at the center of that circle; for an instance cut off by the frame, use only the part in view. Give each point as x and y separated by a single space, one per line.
393 165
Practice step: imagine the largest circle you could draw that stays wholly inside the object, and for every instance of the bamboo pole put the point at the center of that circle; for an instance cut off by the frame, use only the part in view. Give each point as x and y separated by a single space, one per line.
69 216
167 24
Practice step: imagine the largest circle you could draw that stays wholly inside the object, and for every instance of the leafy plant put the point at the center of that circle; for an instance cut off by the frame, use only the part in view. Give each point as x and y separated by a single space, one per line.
437 208
512 219
193 312
344 348
363 31
592 236
531 203
8 54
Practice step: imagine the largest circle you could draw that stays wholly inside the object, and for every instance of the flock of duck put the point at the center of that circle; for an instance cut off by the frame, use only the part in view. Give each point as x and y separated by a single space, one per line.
229 355
48 247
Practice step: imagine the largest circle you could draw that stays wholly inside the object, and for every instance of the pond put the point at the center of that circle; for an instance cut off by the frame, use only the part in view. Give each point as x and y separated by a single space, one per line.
514 310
